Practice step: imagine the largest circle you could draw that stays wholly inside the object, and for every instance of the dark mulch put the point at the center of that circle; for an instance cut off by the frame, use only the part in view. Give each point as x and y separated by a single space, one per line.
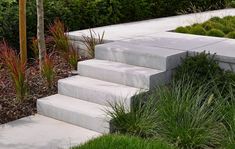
10 108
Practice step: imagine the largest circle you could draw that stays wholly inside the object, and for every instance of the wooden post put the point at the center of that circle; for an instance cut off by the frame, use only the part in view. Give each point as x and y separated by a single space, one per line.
22 31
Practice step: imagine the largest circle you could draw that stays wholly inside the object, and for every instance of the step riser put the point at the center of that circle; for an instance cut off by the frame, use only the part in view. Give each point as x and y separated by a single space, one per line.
160 79
125 78
90 95
97 124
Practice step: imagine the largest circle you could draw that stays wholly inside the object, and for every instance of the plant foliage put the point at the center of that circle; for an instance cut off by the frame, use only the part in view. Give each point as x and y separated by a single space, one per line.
16 68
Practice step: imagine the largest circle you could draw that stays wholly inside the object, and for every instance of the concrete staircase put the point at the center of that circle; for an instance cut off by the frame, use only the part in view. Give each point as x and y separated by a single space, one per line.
119 71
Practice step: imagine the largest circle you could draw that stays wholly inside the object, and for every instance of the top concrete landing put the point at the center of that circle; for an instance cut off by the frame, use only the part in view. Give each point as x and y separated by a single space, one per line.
148 27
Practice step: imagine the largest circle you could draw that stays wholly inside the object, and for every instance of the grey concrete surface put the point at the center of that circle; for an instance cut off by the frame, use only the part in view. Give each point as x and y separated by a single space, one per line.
39 132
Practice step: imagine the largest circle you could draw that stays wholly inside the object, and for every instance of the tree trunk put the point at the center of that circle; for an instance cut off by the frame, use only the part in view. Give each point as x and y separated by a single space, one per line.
22 31
40 32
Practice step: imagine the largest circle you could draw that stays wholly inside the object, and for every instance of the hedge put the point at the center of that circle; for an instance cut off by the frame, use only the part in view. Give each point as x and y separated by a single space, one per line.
80 14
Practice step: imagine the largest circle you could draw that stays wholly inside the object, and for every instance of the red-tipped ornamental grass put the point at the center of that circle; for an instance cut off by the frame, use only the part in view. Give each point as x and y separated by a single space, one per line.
16 68
57 31
48 70
60 38
91 41
73 57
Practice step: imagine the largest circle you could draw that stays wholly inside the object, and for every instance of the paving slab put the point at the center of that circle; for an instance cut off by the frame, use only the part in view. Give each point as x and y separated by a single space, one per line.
39 132
146 27
176 41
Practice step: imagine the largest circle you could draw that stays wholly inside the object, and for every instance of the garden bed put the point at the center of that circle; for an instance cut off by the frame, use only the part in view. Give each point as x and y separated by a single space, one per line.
216 27
10 108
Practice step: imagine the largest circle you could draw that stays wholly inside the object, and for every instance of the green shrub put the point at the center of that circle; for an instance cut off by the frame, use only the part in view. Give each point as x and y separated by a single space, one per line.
215 33
200 68
217 20
123 142
231 35
204 68
182 30
80 14
229 18
216 26
198 30
209 25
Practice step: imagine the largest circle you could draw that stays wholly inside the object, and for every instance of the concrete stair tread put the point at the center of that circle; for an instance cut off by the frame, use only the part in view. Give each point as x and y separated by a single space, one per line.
143 48
84 87
143 55
121 73
72 104
120 67
75 111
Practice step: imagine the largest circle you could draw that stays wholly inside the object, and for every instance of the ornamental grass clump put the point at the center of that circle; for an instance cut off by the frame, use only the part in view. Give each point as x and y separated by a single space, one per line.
182 114
142 119
47 71
91 41
61 40
16 68
73 57
57 31
190 116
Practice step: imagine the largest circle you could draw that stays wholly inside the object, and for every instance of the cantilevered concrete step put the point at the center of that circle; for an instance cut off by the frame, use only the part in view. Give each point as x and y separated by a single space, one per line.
75 111
140 77
145 56
97 91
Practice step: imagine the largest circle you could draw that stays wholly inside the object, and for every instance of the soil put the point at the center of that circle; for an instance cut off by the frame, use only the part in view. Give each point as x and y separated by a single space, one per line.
10 108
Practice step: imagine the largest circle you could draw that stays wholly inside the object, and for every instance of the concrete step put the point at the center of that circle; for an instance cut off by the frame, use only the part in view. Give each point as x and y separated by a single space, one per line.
75 111
97 91
145 56
140 77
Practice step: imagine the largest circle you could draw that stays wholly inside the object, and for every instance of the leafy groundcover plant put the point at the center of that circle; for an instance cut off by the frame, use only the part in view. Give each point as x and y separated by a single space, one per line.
217 27
188 113
123 142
